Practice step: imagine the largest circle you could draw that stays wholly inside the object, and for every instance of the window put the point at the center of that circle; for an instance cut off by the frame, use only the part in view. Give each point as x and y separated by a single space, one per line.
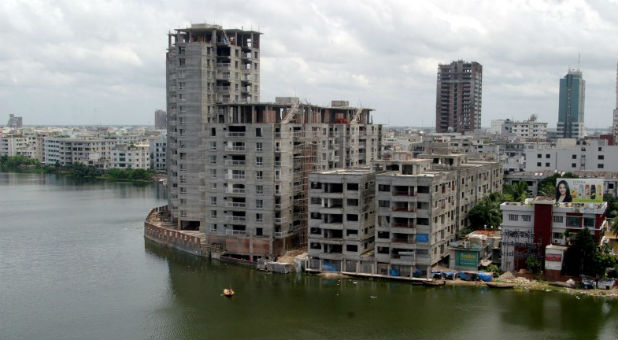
259 204
601 157
213 200
538 155
558 235
259 217
547 164
573 165
573 221
600 166
384 204
213 173
352 186
538 163
259 231
352 202
213 132
351 247
513 217
589 222
573 156
259 189
258 161
384 187
558 219
213 145
213 186
526 218
258 132
259 175
212 159
213 214
258 146
351 217
547 155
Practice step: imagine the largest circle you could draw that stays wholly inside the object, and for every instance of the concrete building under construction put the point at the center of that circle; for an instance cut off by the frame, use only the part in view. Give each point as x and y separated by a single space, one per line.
237 168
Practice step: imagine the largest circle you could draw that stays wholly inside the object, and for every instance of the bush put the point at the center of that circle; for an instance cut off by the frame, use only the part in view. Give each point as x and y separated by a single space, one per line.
533 264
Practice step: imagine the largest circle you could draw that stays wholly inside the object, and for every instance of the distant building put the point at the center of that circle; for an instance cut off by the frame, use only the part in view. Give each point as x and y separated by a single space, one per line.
64 151
571 105
615 124
459 97
158 149
133 156
15 121
29 146
160 120
570 155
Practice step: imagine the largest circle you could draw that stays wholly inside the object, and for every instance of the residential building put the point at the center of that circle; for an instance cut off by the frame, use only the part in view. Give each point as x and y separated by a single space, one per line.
206 65
420 205
529 228
158 153
341 219
480 248
64 151
30 146
571 155
133 156
459 97
571 105
160 120
15 122
257 165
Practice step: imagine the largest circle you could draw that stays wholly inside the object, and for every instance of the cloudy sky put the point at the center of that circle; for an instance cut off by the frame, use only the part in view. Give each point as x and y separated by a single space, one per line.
103 62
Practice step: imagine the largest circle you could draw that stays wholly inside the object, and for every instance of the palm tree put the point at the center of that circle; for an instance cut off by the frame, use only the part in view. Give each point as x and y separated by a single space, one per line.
516 192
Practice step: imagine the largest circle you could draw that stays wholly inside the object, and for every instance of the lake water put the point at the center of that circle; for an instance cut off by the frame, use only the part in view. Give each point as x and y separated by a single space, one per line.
74 265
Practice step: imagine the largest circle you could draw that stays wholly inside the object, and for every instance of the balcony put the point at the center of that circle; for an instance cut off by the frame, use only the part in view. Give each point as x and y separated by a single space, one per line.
236 218
404 193
236 204
235 134
403 240
231 162
235 148
403 208
280 220
236 177
237 191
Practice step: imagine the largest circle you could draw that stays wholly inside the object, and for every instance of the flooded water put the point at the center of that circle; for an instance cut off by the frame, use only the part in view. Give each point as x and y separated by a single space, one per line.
74 264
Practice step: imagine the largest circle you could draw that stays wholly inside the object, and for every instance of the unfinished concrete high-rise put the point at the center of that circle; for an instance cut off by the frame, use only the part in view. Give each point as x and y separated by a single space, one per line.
459 97
206 65
238 169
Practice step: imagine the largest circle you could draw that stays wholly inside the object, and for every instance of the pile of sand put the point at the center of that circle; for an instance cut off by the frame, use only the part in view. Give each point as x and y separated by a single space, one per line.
508 276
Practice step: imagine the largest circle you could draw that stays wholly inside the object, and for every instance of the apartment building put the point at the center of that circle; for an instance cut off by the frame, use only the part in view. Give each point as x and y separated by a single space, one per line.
459 96
420 205
257 163
64 151
531 227
158 153
29 146
530 129
206 65
133 156
341 219
571 155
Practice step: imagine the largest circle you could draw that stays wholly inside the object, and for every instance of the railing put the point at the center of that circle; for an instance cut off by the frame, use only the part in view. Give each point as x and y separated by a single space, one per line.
236 204
235 148
238 191
236 218
235 134
279 220
235 162
403 240
236 232
404 193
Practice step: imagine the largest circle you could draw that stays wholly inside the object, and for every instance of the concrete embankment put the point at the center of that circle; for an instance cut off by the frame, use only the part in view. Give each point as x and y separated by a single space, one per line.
158 230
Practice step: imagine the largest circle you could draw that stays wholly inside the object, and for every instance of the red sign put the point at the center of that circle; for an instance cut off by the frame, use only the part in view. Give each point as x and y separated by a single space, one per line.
553 258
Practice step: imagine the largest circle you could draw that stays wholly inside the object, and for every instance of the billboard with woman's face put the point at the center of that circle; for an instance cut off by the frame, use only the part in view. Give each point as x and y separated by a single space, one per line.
583 190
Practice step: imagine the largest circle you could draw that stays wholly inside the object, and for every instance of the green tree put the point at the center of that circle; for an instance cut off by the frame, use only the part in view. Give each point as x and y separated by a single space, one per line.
580 256
533 263
485 212
516 192
603 259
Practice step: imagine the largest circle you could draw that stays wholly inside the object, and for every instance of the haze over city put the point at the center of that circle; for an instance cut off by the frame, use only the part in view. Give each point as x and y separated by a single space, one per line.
103 62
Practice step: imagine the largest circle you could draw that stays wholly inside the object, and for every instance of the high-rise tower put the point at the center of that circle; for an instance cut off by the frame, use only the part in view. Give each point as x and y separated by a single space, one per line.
571 105
206 65
459 97
615 125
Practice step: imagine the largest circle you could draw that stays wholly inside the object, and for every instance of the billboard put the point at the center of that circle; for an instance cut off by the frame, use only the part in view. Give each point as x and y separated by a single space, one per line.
466 258
583 190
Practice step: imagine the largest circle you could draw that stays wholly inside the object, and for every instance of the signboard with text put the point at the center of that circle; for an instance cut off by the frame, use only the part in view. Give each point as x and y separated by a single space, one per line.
581 190
466 258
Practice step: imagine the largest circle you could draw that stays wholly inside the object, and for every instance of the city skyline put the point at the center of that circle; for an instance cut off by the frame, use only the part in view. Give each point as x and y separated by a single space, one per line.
108 76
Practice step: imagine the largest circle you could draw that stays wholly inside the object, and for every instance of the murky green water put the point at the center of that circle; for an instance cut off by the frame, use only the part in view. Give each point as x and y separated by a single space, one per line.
74 264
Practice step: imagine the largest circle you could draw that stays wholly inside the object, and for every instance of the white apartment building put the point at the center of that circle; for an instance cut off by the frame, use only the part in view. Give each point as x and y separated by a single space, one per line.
64 151
341 219
133 156
530 129
29 146
570 155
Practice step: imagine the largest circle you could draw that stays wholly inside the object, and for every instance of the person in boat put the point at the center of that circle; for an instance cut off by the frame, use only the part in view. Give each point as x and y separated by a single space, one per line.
563 193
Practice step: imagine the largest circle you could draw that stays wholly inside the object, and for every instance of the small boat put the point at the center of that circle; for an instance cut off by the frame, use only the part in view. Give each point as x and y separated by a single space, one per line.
434 283
499 285
228 292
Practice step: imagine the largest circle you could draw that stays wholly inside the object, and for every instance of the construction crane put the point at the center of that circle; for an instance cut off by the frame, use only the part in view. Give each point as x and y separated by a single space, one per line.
356 117
291 113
